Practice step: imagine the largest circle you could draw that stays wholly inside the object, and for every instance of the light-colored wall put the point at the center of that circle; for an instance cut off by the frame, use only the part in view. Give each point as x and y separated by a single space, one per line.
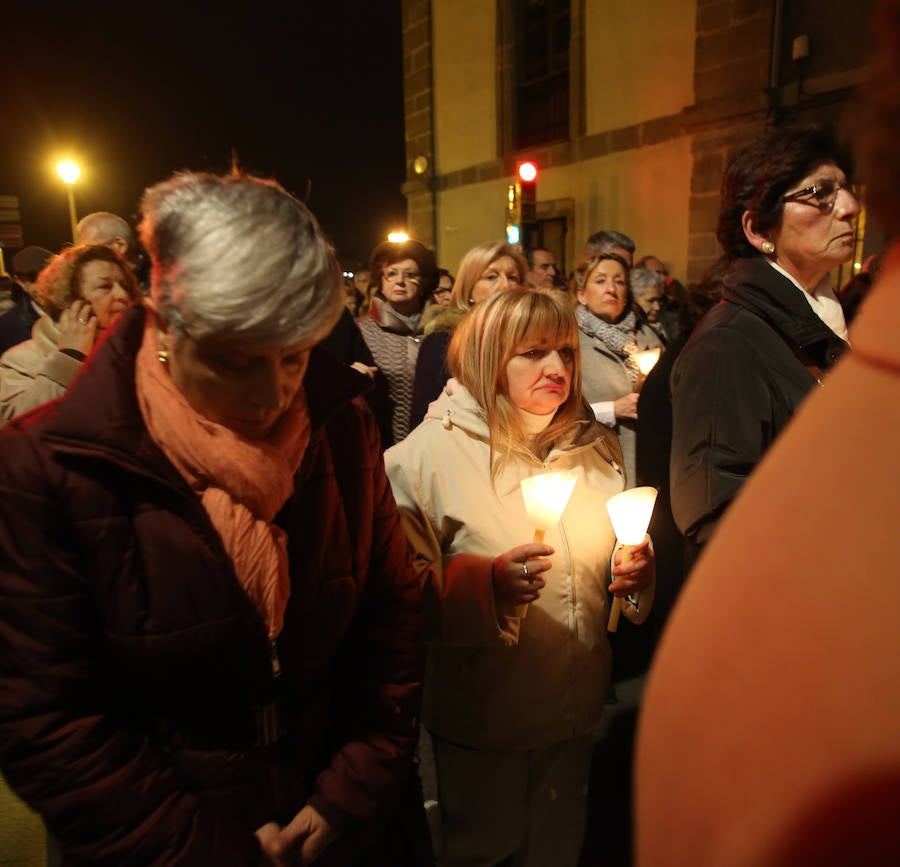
467 216
639 61
644 193
464 78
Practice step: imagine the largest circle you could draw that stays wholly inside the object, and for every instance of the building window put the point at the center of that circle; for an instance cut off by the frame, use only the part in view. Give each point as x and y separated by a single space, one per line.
541 72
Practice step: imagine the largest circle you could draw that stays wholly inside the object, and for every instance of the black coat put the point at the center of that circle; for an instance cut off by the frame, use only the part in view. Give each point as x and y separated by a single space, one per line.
737 383
16 323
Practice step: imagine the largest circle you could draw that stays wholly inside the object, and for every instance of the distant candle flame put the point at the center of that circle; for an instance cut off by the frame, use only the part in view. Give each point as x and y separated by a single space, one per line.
647 359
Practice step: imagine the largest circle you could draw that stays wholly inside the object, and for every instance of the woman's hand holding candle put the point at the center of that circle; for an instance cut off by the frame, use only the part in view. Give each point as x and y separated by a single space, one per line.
633 572
630 513
517 574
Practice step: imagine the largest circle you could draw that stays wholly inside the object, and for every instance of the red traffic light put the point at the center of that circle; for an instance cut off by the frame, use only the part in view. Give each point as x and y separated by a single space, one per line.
527 171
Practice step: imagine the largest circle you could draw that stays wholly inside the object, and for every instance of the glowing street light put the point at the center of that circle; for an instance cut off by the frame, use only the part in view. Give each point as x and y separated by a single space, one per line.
70 173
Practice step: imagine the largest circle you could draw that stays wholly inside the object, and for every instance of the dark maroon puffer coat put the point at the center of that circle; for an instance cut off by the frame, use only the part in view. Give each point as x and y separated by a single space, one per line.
131 660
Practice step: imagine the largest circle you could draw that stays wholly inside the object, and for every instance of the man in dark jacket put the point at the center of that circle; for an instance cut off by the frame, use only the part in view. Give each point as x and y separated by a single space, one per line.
15 324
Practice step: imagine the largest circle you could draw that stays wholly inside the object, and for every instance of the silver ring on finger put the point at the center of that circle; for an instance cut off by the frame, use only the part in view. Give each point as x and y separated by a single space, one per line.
82 321
525 572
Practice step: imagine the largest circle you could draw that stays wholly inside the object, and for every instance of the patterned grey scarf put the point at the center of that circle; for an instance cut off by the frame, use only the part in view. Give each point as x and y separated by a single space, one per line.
615 336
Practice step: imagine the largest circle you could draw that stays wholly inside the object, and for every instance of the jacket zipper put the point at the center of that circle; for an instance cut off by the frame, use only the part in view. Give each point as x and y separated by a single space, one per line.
547 466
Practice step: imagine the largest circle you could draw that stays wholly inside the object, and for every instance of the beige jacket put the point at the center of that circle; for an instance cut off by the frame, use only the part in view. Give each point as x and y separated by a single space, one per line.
35 371
494 680
604 377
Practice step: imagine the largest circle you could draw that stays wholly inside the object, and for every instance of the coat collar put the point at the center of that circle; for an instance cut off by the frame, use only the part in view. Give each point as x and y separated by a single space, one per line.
756 286
461 410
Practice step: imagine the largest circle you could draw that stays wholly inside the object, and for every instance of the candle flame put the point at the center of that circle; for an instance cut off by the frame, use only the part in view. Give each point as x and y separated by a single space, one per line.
647 359
546 497
630 514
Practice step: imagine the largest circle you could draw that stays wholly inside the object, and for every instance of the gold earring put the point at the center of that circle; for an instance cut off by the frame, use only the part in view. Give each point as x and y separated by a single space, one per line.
767 247
162 356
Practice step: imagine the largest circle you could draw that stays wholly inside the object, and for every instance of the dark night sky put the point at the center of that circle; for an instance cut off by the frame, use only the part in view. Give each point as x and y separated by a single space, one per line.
303 92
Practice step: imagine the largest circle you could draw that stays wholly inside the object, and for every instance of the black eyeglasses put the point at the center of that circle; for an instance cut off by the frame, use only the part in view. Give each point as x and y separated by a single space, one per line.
822 194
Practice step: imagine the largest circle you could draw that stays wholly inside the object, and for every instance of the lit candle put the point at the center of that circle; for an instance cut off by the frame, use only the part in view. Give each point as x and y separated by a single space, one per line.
546 497
647 359
630 514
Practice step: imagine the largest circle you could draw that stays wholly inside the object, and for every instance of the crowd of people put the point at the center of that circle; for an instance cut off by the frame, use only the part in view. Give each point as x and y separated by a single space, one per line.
264 535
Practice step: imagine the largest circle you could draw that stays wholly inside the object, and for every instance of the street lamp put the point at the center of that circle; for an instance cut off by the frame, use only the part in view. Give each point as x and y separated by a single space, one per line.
69 172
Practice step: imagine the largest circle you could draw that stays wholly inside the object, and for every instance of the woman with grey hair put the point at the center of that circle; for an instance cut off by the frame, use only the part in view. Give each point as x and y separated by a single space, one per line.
648 290
210 651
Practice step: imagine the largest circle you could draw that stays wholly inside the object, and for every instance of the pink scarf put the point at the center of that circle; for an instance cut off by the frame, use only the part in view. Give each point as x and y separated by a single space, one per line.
242 483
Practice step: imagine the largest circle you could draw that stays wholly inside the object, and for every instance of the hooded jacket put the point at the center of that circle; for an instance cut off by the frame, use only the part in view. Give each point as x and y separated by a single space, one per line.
139 692
741 377
495 680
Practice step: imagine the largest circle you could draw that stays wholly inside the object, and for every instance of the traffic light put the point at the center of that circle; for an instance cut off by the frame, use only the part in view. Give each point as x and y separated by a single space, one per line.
521 206
527 177
513 217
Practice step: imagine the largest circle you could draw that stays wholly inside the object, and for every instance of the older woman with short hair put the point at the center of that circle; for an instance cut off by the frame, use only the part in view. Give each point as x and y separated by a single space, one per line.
210 648
648 289
786 219
485 270
83 291
511 700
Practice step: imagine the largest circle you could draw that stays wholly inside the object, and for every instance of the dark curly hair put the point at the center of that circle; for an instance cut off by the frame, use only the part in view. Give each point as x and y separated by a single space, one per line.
763 172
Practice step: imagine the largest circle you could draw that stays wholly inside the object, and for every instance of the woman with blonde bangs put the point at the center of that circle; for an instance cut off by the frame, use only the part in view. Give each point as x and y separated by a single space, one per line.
511 700
485 270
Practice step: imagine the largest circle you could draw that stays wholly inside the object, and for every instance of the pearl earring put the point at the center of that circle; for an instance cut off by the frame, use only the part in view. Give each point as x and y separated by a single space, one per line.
767 247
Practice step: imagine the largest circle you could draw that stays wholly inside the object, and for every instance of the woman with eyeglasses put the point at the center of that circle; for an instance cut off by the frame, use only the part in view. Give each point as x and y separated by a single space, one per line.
786 219
405 274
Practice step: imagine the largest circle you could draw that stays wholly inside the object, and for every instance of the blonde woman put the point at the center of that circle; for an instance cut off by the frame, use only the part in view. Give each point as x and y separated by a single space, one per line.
485 270
511 700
